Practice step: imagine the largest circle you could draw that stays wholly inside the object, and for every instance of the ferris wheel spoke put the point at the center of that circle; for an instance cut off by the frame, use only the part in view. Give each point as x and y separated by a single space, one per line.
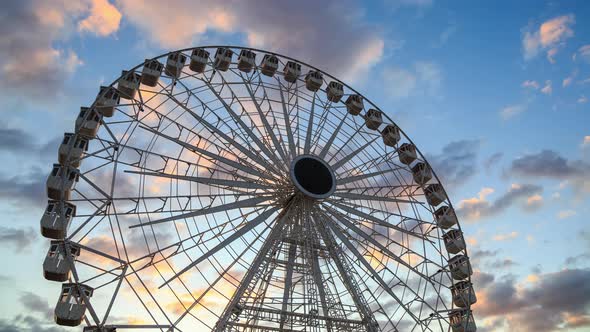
343 220
241 123
361 259
371 198
223 183
287 120
212 155
365 176
307 145
328 145
264 216
246 203
375 220
226 137
277 145
351 155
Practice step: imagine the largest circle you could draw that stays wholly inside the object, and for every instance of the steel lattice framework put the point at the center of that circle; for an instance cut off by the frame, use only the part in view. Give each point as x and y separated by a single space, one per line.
236 200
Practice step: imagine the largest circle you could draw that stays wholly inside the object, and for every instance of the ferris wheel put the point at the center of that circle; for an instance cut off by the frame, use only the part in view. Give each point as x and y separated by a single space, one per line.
234 189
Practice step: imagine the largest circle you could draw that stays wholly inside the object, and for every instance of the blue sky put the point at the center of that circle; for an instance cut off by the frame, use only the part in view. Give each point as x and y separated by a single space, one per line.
494 93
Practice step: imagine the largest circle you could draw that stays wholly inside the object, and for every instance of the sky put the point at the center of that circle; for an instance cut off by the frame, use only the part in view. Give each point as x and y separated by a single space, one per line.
494 93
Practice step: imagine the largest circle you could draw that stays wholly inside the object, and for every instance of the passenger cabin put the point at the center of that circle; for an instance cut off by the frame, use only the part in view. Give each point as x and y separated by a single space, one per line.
199 58
61 181
269 65
407 153
71 149
462 320
445 217
421 173
71 306
354 104
435 194
88 122
128 84
390 135
335 91
223 58
108 97
57 266
246 61
292 71
373 119
454 241
174 64
151 72
56 218
463 294
314 80
460 267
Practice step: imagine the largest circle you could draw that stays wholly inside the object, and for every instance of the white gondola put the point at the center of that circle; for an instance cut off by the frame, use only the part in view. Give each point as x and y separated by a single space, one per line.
460 267
128 84
71 306
71 149
314 80
435 194
390 135
463 294
88 122
55 219
445 217
223 58
246 61
61 181
174 64
292 71
269 65
57 266
151 72
199 58
335 91
462 320
354 104
373 119
108 97
454 241
421 173
407 153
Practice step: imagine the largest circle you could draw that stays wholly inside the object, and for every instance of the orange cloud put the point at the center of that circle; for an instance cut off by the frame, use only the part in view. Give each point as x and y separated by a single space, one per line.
104 19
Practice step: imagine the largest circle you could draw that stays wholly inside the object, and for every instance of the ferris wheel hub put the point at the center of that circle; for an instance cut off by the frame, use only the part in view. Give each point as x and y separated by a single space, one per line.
312 176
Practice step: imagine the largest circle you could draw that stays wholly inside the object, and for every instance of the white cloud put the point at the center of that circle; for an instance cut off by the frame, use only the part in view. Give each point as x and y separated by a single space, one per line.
582 100
586 141
547 89
584 52
317 32
424 78
530 84
550 35
512 110
104 19
566 214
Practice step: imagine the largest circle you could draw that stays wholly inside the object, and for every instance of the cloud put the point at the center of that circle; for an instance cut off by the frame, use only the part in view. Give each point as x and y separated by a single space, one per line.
547 89
423 78
586 141
556 299
37 317
316 32
457 161
37 304
549 164
475 208
505 237
30 63
18 238
567 81
104 19
530 84
584 52
25 189
15 139
582 100
564 214
493 160
510 111
550 35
